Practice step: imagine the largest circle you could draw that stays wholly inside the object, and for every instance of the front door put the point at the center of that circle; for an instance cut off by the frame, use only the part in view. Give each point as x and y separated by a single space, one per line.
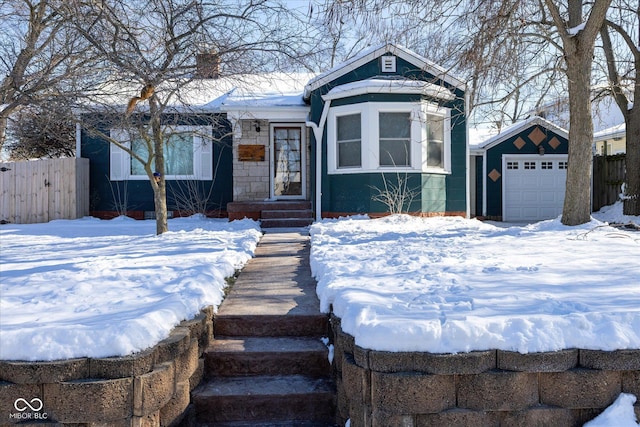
288 161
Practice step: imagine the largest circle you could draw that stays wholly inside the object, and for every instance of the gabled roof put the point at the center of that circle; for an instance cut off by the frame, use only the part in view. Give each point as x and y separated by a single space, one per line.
375 52
518 127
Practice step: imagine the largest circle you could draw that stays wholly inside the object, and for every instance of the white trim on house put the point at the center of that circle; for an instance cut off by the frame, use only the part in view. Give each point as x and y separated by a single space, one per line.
303 160
120 160
372 54
271 114
515 129
382 86
370 161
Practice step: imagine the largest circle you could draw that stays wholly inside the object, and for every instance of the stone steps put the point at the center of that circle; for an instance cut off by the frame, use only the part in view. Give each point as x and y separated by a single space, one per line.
274 214
245 356
266 400
293 325
267 365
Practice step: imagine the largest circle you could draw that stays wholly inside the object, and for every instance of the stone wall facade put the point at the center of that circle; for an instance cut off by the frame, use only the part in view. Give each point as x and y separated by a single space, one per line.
148 389
251 178
483 388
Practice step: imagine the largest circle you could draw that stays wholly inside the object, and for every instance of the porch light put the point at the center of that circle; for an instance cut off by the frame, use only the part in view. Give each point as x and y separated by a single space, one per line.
257 125
541 150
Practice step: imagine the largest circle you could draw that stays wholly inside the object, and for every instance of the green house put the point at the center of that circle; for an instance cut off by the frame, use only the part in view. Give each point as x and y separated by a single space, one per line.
383 132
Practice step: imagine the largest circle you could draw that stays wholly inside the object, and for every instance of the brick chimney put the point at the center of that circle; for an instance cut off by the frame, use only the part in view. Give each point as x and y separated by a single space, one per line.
208 65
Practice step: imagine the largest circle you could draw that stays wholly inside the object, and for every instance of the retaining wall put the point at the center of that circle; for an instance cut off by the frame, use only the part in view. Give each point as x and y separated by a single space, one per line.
483 388
148 389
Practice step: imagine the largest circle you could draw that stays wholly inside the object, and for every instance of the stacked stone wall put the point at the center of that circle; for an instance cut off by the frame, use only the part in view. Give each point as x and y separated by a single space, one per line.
251 178
148 389
481 388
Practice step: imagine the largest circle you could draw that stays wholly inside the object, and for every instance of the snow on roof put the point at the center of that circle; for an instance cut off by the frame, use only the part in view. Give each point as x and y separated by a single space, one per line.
389 85
267 91
375 52
214 95
515 128
612 132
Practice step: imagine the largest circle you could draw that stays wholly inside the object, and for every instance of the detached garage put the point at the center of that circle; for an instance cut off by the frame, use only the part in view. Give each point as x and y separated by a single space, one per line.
520 173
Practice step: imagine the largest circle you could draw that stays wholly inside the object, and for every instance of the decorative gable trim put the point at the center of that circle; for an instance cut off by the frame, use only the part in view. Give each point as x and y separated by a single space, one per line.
380 85
374 53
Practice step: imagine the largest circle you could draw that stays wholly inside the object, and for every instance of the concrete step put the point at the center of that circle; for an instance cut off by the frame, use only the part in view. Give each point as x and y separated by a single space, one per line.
290 423
260 325
285 222
264 399
243 356
287 213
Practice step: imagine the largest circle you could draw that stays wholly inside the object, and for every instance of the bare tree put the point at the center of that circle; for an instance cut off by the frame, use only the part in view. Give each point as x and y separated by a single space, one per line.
153 46
622 65
578 45
43 130
40 58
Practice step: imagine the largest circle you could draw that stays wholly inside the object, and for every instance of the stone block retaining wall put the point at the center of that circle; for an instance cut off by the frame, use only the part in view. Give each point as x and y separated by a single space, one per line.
482 388
148 389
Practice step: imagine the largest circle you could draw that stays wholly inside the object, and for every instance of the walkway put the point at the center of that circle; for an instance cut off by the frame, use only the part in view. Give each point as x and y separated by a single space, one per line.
267 365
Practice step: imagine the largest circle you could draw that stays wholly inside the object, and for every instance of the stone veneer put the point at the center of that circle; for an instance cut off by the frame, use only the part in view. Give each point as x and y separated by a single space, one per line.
148 389
481 388
251 179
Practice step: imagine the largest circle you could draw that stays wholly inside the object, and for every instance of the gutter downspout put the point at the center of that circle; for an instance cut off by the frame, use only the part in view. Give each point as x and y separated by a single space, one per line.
318 132
78 140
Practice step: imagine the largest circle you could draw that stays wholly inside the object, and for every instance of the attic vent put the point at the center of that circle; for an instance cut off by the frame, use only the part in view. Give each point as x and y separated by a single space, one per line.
388 64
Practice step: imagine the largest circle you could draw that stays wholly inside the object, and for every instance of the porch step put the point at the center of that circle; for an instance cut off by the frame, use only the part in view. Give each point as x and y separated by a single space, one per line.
287 213
286 325
264 399
243 356
274 214
286 222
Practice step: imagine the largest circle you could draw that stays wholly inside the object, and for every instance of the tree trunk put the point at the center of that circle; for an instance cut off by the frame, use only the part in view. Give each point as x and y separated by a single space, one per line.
577 200
631 203
3 131
158 184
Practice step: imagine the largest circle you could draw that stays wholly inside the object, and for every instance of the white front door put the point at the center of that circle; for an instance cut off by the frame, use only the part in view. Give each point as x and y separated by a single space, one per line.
288 161
533 187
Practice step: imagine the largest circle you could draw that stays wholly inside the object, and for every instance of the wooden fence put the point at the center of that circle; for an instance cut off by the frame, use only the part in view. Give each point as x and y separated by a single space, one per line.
44 190
608 176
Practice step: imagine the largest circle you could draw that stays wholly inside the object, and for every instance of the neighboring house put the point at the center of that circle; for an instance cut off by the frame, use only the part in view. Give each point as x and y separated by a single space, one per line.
519 175
326 144
611 141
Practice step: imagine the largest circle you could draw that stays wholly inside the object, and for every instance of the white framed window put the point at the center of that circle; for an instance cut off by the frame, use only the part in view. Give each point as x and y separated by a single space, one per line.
188 154
394 143
379 136
349 141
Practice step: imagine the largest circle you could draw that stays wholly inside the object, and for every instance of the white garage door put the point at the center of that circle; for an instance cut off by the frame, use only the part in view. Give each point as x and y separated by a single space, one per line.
533 187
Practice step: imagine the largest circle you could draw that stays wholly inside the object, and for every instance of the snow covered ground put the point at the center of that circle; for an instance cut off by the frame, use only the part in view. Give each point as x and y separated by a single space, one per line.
448 285
102 288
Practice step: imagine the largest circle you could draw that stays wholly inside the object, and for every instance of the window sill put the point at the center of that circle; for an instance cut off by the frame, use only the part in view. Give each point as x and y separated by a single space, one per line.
384 169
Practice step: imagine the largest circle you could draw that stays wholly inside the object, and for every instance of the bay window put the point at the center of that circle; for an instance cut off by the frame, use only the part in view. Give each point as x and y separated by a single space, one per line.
379 136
